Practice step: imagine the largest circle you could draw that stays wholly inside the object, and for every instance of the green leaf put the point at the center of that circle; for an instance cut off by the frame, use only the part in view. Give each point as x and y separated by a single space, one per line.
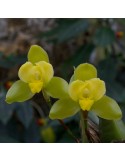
104 36
11 60
82 54
64 108
85 72
111 130
73 30
108 67
6 111
32 133
65 30
19 92
114 89
107 108
36 54
25 113
57 88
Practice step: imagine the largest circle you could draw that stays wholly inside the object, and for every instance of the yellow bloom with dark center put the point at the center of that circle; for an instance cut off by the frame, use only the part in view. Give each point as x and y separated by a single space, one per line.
87 92
36 75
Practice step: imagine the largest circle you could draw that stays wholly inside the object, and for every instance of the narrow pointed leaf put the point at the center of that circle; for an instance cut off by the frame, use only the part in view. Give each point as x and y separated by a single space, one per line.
63 108
18 92
57 88
107 108
85 72
111 130
36 54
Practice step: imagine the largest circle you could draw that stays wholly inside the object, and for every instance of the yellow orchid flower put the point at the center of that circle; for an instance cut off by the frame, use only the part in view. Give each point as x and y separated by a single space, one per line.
87 92
37 76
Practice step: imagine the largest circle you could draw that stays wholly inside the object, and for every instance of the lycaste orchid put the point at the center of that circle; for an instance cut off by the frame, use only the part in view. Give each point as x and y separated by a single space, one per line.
35 76
86 92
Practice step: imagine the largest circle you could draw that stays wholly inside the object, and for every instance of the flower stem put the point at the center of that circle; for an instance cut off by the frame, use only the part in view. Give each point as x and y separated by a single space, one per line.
48 101
68 130
83 124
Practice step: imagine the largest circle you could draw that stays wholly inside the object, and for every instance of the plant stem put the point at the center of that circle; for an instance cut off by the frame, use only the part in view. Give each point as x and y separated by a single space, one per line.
48 101
68 130
83 125
85 115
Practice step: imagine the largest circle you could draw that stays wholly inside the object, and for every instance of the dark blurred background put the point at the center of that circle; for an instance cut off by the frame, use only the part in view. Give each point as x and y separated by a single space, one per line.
68 42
